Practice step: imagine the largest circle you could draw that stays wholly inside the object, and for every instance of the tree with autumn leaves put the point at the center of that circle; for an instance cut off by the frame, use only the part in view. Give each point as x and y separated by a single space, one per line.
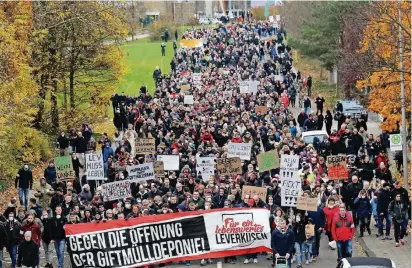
381 42
57 70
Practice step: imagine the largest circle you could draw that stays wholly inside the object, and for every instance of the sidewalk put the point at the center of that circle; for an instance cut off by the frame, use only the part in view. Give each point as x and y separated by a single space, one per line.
374 247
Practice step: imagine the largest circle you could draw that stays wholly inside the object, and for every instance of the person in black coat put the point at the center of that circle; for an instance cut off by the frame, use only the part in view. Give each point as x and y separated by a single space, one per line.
384 198
24 180
3 238
302 117
63 143
46 237
398 189
76 164
13 227
328 121
80 144
351 192
28 252
319 103
357 140
298 228
319 121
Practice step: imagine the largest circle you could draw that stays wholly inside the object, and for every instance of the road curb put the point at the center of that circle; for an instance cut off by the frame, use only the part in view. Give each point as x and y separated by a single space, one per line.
362 243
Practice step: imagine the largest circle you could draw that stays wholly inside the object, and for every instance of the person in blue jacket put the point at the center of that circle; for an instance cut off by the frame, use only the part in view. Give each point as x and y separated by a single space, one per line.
319 220
363 211
283 242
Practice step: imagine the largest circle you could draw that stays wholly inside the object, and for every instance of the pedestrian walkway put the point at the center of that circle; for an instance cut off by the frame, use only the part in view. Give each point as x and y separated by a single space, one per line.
374 247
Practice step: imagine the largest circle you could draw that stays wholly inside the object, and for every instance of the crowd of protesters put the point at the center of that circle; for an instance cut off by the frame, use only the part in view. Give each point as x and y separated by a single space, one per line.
231 53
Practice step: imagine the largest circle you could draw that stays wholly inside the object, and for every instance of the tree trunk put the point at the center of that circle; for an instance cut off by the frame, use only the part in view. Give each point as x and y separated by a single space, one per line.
71 87
42 94
54 108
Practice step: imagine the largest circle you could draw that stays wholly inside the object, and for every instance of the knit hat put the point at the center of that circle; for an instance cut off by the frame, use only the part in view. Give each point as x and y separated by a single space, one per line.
27 233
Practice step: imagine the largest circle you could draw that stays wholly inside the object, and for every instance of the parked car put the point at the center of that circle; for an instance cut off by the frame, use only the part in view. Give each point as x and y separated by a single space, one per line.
310 136
366 262
204 21
353 109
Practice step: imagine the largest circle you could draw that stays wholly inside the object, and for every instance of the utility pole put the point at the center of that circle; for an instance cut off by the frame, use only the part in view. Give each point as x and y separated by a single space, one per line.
403 128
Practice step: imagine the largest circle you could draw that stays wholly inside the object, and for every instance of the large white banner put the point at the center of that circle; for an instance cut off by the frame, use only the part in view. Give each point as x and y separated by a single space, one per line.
171 162
143 172
205 167
241 150
94 167
290 182
185 236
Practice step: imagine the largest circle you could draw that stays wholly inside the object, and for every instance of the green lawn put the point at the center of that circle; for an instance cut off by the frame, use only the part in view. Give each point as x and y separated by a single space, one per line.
142 57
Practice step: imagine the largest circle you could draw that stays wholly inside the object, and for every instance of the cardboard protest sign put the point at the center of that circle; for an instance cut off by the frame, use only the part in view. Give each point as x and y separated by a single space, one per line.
145 146
243 86
229 166
116 190
94 167
271 19
261 109
277 17
268 160
142 172
159 169
188 99
310 229
153 239
64 167
253 190
170 162
185 87
337 167
205 167
307 203
278 78
253 86
197 78
241 150
227 95
291 184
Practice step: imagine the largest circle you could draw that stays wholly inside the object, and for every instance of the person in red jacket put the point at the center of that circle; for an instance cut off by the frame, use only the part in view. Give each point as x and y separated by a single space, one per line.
330 210
343 229
381 159
33 227
207 137
236 138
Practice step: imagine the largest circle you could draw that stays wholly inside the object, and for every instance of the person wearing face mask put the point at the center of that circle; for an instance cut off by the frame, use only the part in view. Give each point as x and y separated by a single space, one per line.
58 235
28 252
13 234
330 210
46 237
44 192
298 228
363 211
24 182
11 207
283 242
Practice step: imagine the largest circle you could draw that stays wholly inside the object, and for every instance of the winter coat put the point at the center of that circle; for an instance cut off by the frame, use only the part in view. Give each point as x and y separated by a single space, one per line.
43 194
364 208
3 236
81 145
47 230
50 175
28 254
282 243
352 191
384 198
383 174
63 142
302 117
329 214
403 192
34 228
57 229
13 231
398 210
24 179
343 229
318 218
299 232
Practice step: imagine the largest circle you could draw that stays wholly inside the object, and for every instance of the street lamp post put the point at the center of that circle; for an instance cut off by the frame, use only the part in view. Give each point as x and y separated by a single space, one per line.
403 105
